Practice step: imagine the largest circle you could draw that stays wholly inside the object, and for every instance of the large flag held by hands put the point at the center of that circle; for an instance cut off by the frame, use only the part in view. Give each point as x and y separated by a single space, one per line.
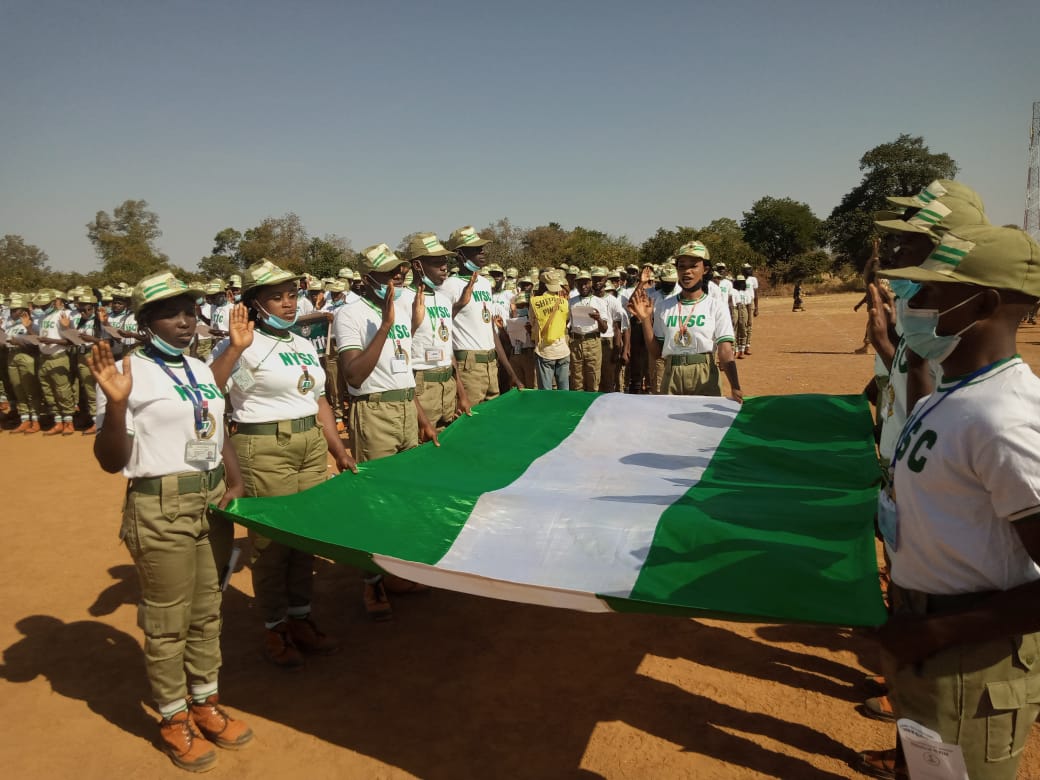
684 505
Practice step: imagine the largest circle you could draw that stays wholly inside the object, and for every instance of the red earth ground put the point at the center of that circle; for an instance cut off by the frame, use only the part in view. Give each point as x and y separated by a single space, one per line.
456 686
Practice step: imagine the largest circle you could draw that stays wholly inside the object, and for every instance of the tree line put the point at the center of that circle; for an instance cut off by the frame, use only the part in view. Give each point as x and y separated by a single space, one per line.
779 236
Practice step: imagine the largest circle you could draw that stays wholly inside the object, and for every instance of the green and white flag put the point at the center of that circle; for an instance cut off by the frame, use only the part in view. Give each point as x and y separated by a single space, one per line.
684 505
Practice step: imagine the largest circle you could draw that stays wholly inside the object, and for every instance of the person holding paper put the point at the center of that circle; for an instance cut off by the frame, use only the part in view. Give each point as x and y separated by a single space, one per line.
161 422
550 313
283 430
589 321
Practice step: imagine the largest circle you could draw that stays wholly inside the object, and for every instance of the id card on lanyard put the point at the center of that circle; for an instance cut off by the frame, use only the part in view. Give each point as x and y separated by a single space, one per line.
202 449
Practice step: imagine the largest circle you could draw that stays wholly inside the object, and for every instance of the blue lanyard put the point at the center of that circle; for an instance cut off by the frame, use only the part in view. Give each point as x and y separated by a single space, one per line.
198 402
913 422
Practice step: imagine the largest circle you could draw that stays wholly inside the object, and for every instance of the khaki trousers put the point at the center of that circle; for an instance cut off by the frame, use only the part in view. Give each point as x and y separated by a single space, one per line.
608 378
479 379
56 382
87 384
523 366
21 370
696 379
437 399
382 428
180 552
586 363
281 464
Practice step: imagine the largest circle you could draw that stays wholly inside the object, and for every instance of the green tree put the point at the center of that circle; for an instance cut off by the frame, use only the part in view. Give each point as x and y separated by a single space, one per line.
125 242
725 242
780 229
325 256
898 168
507 245
225 259
662 244
23 267
545 245
282 240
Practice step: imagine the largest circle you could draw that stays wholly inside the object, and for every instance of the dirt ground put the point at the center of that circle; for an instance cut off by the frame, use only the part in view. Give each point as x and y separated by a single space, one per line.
456 686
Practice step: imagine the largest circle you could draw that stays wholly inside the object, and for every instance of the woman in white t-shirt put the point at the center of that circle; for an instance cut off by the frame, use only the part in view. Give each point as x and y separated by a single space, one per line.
160 421
283 429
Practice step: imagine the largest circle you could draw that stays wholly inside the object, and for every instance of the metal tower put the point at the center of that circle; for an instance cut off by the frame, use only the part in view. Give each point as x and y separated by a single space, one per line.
1031 221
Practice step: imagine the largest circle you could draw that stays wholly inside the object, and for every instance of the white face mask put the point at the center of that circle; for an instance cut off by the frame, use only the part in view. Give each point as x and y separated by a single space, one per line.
919 331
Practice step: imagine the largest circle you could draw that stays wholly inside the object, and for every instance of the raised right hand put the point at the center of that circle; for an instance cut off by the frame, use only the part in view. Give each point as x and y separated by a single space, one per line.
102 364
240 329
388 304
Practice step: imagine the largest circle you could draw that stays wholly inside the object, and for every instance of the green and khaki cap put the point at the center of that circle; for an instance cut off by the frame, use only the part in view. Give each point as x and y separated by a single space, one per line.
465 236
426 245
88 297
669 273
106 294
264 274
379 257
159 287
45 296
598 271
336 285
938 189
521 299
494 268
346 273
947 212
693 249
984 255
609 287
214 287
616 273
553 280
512 272
582 274
235 281
510 284
18 301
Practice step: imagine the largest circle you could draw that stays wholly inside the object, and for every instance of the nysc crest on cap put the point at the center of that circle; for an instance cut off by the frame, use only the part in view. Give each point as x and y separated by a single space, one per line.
465 236
693 249
947 212
379 257
426 245
160 287
264 274
983 255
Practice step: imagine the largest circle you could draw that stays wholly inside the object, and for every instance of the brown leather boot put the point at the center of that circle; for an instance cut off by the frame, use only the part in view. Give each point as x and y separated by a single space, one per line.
91 430
377 605
185 745
34 426
55 431
306 636
279 648
23 428
67 429
217 726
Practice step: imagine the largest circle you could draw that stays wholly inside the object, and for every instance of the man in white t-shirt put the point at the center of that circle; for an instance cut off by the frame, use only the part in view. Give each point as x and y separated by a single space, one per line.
961 519
614 340
55 369
751 301
587 324
478 351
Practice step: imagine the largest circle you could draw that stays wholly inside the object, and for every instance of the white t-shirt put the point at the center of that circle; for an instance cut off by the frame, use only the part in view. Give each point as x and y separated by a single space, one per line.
598 304
304 305
968 470
357 323
691 327
124 321
615 315
892 402
220 317
473 324
725 289
274 379
49 328
161 418
431 342
752 289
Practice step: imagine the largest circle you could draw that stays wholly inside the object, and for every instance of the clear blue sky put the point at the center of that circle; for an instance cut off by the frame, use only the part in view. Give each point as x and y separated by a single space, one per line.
373 120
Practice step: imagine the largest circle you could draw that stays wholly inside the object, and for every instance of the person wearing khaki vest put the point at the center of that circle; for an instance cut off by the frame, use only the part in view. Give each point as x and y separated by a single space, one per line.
161 422
55 368
283 430
374 342
21 366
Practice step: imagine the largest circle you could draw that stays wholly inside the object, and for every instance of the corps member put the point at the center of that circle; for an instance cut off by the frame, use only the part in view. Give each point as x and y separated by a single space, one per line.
283 430
21 366
695 327
587 326
160 420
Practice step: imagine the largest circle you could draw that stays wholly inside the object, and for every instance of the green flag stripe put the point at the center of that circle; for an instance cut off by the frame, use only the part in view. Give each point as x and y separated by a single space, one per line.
758 522
443 485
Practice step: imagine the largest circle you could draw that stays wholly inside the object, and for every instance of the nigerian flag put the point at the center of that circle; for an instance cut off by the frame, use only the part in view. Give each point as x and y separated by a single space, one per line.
685 505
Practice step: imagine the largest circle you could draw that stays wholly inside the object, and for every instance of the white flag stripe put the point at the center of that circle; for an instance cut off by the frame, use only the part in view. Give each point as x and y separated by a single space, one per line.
582 517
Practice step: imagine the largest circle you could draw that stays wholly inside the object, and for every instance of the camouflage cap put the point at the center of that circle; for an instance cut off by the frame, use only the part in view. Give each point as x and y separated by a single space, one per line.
510 284
521 299
582 274
512 273
426 245
609 287
44 296
616 273
494 268
693 249
465 236
598 270
214 287
553 280
159 287
938 189
632 267
235 281
984 255
336 285
573 270
106 294
379 257
669 272
88 298
946 212
346 273
264 274
18 301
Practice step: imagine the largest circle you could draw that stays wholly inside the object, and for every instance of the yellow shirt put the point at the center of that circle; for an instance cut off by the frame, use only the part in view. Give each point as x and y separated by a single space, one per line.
550 319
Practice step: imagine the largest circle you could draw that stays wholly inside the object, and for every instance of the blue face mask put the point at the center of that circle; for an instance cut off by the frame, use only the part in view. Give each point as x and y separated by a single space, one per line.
473 267
277 322
238 298
919 332
379 290
904 288
166 347
428 282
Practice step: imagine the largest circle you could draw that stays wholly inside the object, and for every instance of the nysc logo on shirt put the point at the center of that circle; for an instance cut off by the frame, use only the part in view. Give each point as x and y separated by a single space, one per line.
297 359
482 295
438 311
693 321
917 458
398 332
208 391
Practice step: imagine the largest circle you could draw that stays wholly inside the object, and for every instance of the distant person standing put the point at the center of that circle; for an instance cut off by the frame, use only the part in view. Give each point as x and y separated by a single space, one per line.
751 299
798 305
